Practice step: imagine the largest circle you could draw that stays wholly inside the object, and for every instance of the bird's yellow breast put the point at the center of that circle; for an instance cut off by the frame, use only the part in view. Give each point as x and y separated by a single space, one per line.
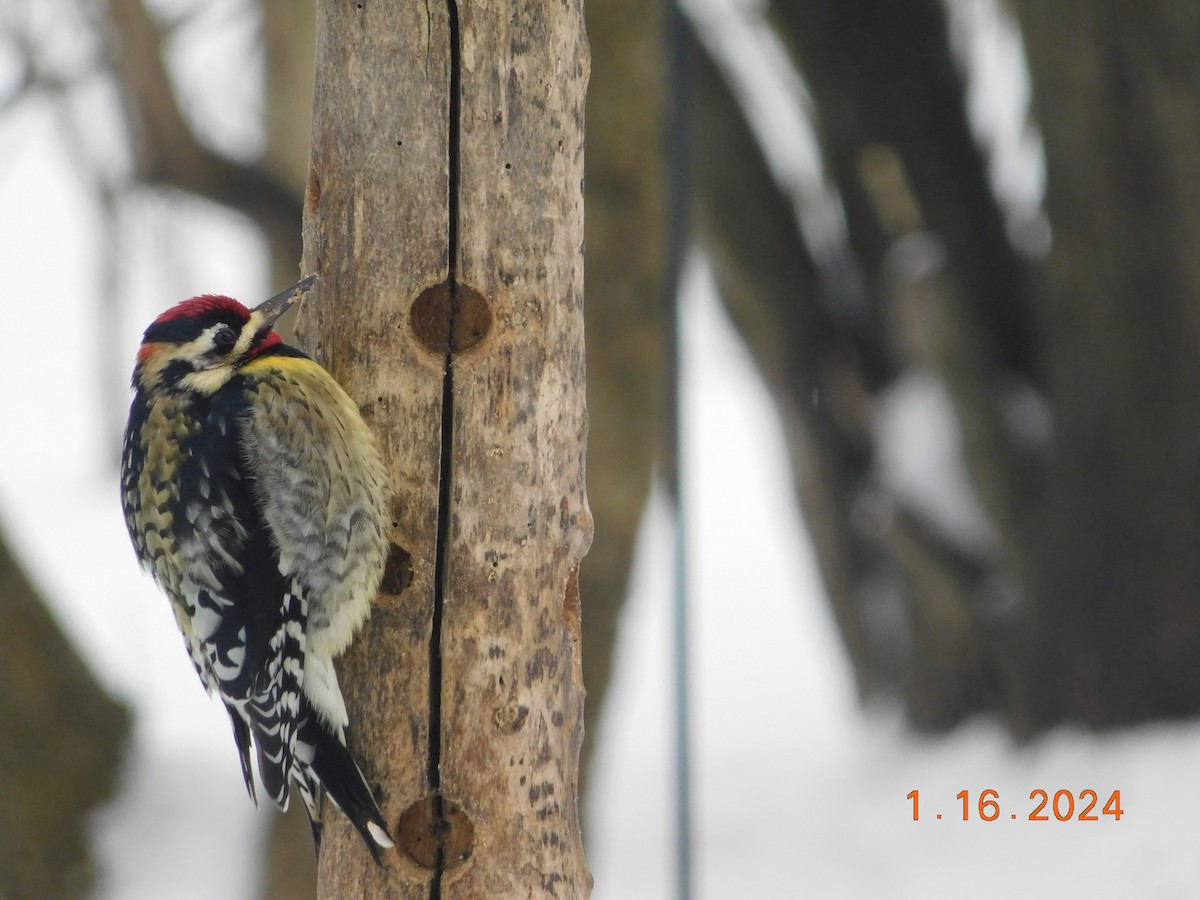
318 471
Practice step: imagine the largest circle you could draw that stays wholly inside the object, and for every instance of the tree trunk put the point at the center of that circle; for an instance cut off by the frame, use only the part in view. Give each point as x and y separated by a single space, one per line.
60 745
625 236
1117 581
444 217
897 143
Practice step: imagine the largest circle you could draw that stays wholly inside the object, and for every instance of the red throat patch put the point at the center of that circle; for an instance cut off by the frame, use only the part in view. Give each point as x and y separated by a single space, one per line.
272 339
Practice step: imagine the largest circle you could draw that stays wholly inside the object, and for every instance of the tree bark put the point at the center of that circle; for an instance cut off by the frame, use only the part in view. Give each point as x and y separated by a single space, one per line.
444 217
1119 627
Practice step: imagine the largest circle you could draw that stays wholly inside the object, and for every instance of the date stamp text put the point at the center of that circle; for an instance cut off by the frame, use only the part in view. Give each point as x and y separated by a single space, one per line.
1042 806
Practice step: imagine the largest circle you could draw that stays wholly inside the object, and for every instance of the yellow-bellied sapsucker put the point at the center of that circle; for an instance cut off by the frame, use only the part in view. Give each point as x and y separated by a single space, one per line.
256 497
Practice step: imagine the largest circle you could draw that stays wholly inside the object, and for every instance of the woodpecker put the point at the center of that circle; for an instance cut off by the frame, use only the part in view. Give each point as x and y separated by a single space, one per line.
255 496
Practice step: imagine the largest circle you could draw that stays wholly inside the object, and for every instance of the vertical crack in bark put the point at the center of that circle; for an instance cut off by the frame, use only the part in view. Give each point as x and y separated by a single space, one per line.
446 471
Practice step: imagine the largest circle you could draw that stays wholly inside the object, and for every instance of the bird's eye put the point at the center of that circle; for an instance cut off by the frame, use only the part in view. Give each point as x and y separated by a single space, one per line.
225 338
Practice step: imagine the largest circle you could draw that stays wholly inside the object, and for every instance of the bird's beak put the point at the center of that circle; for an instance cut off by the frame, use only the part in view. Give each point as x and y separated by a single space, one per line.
272 309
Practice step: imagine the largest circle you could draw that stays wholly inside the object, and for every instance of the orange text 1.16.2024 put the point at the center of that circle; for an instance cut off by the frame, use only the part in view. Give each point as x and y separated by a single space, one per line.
1061 806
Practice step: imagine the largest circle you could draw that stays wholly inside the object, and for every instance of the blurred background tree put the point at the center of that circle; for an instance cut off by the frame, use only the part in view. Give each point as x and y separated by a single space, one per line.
990 399
60 747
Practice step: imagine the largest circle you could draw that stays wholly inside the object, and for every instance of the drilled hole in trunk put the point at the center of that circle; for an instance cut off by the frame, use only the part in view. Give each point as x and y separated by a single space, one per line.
434 824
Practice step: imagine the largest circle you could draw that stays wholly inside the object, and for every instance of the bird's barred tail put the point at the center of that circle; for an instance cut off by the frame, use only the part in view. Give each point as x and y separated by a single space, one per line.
295 746
323 762
275 709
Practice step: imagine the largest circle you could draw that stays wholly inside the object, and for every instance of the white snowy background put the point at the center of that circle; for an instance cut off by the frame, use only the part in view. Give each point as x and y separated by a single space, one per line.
798 790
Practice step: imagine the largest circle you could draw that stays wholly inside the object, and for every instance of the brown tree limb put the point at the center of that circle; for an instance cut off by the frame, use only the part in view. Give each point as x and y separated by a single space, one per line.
772 288
888 92
168 152
883 73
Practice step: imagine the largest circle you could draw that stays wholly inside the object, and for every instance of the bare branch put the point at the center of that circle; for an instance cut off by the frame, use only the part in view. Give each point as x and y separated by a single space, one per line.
167 150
